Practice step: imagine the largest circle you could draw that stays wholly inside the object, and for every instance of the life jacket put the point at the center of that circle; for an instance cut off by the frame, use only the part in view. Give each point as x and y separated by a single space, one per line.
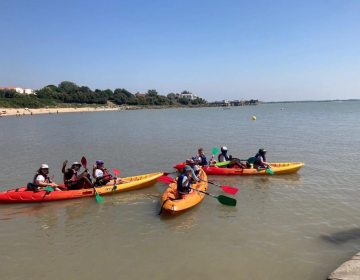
106 175
203 161
47 180
226 157
72 181
180 187
257 162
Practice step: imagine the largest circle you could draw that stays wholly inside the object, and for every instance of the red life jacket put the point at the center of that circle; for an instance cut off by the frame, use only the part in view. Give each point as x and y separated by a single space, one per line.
106 175
47 180
72 181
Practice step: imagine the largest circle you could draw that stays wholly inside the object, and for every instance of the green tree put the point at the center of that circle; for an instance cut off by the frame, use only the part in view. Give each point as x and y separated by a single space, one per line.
68 87
152 92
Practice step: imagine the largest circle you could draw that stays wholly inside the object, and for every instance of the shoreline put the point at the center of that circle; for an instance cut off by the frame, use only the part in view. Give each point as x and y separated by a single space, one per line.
23 112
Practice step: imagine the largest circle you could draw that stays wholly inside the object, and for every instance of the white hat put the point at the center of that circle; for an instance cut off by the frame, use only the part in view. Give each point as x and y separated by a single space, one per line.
223 148
44 166
76 163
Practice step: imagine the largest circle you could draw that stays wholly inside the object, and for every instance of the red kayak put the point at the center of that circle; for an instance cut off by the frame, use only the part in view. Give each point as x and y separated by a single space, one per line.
277 168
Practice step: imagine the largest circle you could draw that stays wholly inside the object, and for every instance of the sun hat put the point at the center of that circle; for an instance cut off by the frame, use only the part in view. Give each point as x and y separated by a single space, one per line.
99 162
44 166
187 168
76 163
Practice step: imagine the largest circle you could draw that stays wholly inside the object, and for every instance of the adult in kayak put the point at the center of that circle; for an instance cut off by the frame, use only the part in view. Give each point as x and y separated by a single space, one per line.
260 159
103 177
184 181
202 158
72 180
41 180
233 161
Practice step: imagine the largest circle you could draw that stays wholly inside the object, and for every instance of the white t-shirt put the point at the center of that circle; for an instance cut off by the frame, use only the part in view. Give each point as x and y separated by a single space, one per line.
222 158
39 178
99 173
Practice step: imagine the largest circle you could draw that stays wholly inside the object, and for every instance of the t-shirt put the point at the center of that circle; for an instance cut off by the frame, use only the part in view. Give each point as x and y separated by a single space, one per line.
39 178
258 159
99 173
69 174
222 158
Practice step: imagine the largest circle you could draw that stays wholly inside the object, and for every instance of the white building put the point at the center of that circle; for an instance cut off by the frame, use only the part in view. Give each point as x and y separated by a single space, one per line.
19 90
189 96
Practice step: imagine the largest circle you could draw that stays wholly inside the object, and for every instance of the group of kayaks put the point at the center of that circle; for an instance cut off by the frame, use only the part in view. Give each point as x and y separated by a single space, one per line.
171 201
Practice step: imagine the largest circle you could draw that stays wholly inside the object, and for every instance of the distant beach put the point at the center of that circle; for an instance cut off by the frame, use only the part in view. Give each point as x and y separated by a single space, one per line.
22 112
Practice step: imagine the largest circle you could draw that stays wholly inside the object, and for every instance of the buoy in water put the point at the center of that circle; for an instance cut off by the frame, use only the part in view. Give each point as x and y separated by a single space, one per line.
254 118
282 108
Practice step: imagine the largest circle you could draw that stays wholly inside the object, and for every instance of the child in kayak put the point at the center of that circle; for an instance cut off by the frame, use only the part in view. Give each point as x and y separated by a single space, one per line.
260 159
72 180
103 177
233 161
194 168
41 180
202 158
184 181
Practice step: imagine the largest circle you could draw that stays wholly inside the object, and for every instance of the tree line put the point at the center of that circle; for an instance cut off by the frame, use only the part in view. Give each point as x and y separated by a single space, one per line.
69 92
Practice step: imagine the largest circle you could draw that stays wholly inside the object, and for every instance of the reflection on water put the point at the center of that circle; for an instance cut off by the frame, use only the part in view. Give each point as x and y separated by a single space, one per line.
342 236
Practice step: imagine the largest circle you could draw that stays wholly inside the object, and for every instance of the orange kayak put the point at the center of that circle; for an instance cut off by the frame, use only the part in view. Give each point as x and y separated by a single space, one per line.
173 203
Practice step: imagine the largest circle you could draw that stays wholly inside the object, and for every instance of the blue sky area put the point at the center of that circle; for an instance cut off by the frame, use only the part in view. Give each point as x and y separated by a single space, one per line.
268 50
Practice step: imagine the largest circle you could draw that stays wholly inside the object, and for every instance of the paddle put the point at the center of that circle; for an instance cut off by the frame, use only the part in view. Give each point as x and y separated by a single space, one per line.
221 198
227 189
117 173
97 196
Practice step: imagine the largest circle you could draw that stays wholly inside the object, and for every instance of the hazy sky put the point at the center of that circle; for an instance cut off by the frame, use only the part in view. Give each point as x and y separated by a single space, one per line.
269 50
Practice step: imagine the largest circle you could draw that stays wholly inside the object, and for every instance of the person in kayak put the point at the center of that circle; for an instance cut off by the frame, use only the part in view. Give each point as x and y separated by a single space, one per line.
184 181
260 159
72 180
103 177
41 180
202 159
194 168
233 161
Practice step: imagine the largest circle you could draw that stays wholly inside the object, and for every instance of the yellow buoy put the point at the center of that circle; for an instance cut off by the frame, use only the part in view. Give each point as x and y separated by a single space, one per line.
254 118
282 108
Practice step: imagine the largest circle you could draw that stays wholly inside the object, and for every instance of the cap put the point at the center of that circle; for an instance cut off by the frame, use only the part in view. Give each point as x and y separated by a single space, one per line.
76 163
190 161
187 168
224 148
262 150
44 166
99 162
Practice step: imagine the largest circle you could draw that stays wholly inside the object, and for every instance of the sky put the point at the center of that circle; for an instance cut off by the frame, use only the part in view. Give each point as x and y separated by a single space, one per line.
268 50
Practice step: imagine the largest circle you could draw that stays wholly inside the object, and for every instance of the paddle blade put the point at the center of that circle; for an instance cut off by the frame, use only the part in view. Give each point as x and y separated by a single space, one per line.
84 162
49 189
226 200
166 179
116 172
99 199
251 160
229 189
215 150
222 163
270 171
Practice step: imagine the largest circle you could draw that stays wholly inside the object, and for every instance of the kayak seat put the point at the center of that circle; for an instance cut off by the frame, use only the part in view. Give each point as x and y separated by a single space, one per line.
31 187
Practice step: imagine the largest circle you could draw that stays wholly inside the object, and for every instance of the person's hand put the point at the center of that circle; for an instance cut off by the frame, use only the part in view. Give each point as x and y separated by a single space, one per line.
230 157
65 163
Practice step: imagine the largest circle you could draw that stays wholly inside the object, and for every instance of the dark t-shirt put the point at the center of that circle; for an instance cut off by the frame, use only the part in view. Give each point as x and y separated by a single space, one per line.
69 174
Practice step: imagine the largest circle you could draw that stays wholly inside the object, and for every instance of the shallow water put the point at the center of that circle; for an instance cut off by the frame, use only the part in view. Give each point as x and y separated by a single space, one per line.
298 226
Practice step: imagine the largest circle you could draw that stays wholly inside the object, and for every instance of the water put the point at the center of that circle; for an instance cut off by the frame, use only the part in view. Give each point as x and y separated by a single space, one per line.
298 226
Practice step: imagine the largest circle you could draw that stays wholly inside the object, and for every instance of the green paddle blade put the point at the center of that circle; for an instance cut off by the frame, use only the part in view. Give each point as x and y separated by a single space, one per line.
215 151
270 171
222 163
49 189
99 198
251 160
226 200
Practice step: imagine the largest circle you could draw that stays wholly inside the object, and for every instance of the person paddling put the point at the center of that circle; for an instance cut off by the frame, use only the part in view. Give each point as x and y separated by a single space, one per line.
41 180
72 180
260 159
184 181
103 177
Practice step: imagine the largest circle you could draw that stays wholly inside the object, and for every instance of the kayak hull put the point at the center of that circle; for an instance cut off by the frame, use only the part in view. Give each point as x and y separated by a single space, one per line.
278 169
172 203
21 195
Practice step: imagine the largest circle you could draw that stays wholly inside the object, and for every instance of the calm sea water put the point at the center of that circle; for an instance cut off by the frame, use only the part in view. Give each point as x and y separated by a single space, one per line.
299 226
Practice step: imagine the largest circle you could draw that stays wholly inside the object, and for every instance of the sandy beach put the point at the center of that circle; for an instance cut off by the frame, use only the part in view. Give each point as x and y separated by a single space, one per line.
22 112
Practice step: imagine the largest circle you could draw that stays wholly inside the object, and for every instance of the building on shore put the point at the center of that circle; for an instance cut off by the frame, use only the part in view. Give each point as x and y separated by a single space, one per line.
19 90
189 96
226 103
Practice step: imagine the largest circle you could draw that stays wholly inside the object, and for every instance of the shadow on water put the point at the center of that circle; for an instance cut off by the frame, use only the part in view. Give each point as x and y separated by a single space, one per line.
342 237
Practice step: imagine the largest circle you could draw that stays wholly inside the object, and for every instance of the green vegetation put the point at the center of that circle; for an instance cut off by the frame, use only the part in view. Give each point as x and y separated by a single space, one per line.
70 93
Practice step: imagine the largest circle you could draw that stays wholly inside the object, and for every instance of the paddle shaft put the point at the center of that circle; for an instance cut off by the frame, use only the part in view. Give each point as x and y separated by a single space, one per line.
203 192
